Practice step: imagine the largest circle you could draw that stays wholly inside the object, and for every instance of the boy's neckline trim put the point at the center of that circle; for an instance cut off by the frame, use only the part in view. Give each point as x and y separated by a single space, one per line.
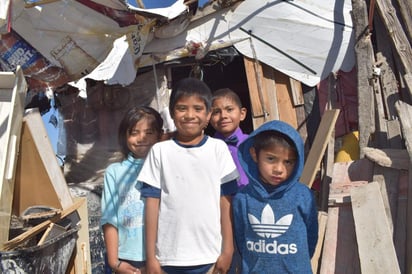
204 139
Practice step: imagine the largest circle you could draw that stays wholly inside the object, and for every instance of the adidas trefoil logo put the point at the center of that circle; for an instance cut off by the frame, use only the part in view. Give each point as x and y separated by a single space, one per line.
267 227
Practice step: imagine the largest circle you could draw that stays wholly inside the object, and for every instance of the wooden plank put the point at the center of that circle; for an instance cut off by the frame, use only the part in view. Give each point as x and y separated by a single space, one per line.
390 89
297 93
394 133
301 122
270 92
82 260
405 9
399 237
324 132
340 252
48 186
286 109
11 115
322 220
408 253
405 116
340 192
252 79
262 91
328 161
347 172
388 180
397 35
408 84
376 250
381 132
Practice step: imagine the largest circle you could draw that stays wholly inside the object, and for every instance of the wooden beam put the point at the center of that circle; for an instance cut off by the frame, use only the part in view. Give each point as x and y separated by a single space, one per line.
364 62
405 116
376 249
397 35
324 132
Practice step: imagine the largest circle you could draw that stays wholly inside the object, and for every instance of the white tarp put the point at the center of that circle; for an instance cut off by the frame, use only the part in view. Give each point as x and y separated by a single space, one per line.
305 39
67 33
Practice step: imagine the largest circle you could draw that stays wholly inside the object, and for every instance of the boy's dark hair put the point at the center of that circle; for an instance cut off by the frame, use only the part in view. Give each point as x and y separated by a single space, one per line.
268 138
227 92
131 117
190 87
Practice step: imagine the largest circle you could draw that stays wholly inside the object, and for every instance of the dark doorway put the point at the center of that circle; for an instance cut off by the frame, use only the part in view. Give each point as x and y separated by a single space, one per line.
219 74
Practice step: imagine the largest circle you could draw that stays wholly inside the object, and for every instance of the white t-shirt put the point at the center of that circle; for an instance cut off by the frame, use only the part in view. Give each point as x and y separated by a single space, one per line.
190 179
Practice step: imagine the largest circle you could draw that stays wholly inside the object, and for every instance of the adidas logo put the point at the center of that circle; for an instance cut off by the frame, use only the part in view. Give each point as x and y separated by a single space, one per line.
267 227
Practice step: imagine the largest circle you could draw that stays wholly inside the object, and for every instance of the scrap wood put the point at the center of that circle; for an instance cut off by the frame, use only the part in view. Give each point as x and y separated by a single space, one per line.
46 234
405 113
375 245
339 251
339 193
15 242
387 157
322 219
52 231
323 133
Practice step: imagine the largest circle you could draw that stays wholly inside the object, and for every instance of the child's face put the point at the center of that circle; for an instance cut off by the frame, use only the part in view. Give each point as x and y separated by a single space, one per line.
226 115
190 117
141 138
275 164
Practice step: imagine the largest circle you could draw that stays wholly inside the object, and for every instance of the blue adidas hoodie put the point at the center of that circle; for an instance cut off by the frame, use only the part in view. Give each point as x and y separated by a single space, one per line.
275 232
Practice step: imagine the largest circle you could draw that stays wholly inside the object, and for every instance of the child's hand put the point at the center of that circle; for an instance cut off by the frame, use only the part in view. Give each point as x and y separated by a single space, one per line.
126 268
223 264
153 267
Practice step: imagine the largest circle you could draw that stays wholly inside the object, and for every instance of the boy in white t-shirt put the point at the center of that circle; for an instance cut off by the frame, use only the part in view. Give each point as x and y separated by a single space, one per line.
188 182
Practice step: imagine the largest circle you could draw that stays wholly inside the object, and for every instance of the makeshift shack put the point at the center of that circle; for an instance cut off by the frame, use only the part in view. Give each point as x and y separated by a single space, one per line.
339 72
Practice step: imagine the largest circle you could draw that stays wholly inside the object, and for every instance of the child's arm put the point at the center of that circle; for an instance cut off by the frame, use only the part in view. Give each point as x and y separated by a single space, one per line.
225 258
151 223
111 240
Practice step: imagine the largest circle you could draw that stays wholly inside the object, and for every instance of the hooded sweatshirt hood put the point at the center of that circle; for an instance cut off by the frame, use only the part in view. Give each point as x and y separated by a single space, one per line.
251 169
